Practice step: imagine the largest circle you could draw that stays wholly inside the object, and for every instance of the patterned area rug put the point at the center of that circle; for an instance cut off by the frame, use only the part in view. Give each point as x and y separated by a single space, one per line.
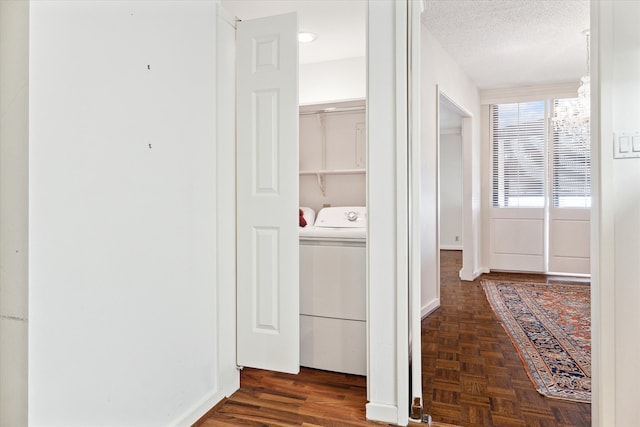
550 326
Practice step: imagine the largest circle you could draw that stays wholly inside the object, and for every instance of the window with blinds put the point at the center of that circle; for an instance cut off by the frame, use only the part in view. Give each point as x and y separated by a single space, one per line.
519 146
571 164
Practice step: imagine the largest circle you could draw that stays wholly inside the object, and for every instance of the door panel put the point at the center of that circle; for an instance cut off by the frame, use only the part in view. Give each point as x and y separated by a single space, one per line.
267 194
517 239
569 241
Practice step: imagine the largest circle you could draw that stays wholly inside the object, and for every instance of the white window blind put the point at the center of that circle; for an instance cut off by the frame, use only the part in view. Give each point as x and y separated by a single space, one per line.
571 164
519 145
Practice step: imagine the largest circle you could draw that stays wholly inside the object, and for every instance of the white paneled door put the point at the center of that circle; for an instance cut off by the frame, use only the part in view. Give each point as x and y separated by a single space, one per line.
267 194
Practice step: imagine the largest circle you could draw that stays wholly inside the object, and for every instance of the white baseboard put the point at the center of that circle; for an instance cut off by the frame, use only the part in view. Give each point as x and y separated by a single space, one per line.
462 274
474 275
382 413
481 271
199 409
209 401
451 247
429 308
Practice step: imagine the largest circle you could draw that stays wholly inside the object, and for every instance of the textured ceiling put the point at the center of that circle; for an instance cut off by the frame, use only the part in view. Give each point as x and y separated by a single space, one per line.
502 43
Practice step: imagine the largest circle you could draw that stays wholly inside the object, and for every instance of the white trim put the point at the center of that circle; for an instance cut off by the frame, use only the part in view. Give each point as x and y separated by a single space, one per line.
468 247
402 213
198 410
480 271
429 308
381 257
451 247
451 131
225 15
474 275
333 172
528 93
387 200
228 374
304 105
382 413
414 164
603 245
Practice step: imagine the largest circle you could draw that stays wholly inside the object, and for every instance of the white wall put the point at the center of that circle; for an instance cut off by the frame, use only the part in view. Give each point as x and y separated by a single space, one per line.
14 169
331 83
439 70
343 148
450 189
616 216
122 297
339 80
626 184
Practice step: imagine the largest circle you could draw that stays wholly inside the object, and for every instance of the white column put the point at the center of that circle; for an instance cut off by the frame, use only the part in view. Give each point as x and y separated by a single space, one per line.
387 191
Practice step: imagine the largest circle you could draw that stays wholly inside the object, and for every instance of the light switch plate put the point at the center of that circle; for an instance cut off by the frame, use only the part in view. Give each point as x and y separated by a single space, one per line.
626 144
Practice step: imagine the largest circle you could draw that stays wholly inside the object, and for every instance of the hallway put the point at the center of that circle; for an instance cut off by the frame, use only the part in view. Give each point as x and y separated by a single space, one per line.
472 375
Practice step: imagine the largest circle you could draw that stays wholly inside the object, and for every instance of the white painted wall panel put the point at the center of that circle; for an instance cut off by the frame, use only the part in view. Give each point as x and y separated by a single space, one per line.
569 241
344 137
338 291
625 97
340 80
571 238
517 240
333 345
518 236
123 211
451 218
387 329
439 70
310 142
14 172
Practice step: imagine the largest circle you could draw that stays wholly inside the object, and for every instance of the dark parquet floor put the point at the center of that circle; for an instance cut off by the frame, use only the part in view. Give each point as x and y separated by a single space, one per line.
472 376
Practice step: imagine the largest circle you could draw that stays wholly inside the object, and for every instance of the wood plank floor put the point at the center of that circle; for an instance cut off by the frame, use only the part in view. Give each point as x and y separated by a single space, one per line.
311 398
472 376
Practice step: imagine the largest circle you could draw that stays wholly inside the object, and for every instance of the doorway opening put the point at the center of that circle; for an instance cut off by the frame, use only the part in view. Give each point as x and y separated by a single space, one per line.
454 134
331 74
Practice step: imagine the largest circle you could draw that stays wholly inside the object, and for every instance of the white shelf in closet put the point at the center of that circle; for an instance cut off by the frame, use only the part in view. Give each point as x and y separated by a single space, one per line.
333 172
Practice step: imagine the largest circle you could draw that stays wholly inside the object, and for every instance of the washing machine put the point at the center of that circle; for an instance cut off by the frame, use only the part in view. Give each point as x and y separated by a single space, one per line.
333 291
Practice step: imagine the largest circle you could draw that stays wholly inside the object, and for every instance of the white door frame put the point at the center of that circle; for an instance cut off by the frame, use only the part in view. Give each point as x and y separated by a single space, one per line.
388 205
468 249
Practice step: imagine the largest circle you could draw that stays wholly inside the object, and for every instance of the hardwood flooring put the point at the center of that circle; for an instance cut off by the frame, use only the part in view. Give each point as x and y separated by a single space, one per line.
311 398
472 376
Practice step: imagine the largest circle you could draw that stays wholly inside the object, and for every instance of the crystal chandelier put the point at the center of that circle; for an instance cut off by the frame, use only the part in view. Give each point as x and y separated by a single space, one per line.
572 116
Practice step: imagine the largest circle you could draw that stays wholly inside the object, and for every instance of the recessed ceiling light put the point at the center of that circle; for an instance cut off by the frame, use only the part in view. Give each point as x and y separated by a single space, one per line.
304 37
